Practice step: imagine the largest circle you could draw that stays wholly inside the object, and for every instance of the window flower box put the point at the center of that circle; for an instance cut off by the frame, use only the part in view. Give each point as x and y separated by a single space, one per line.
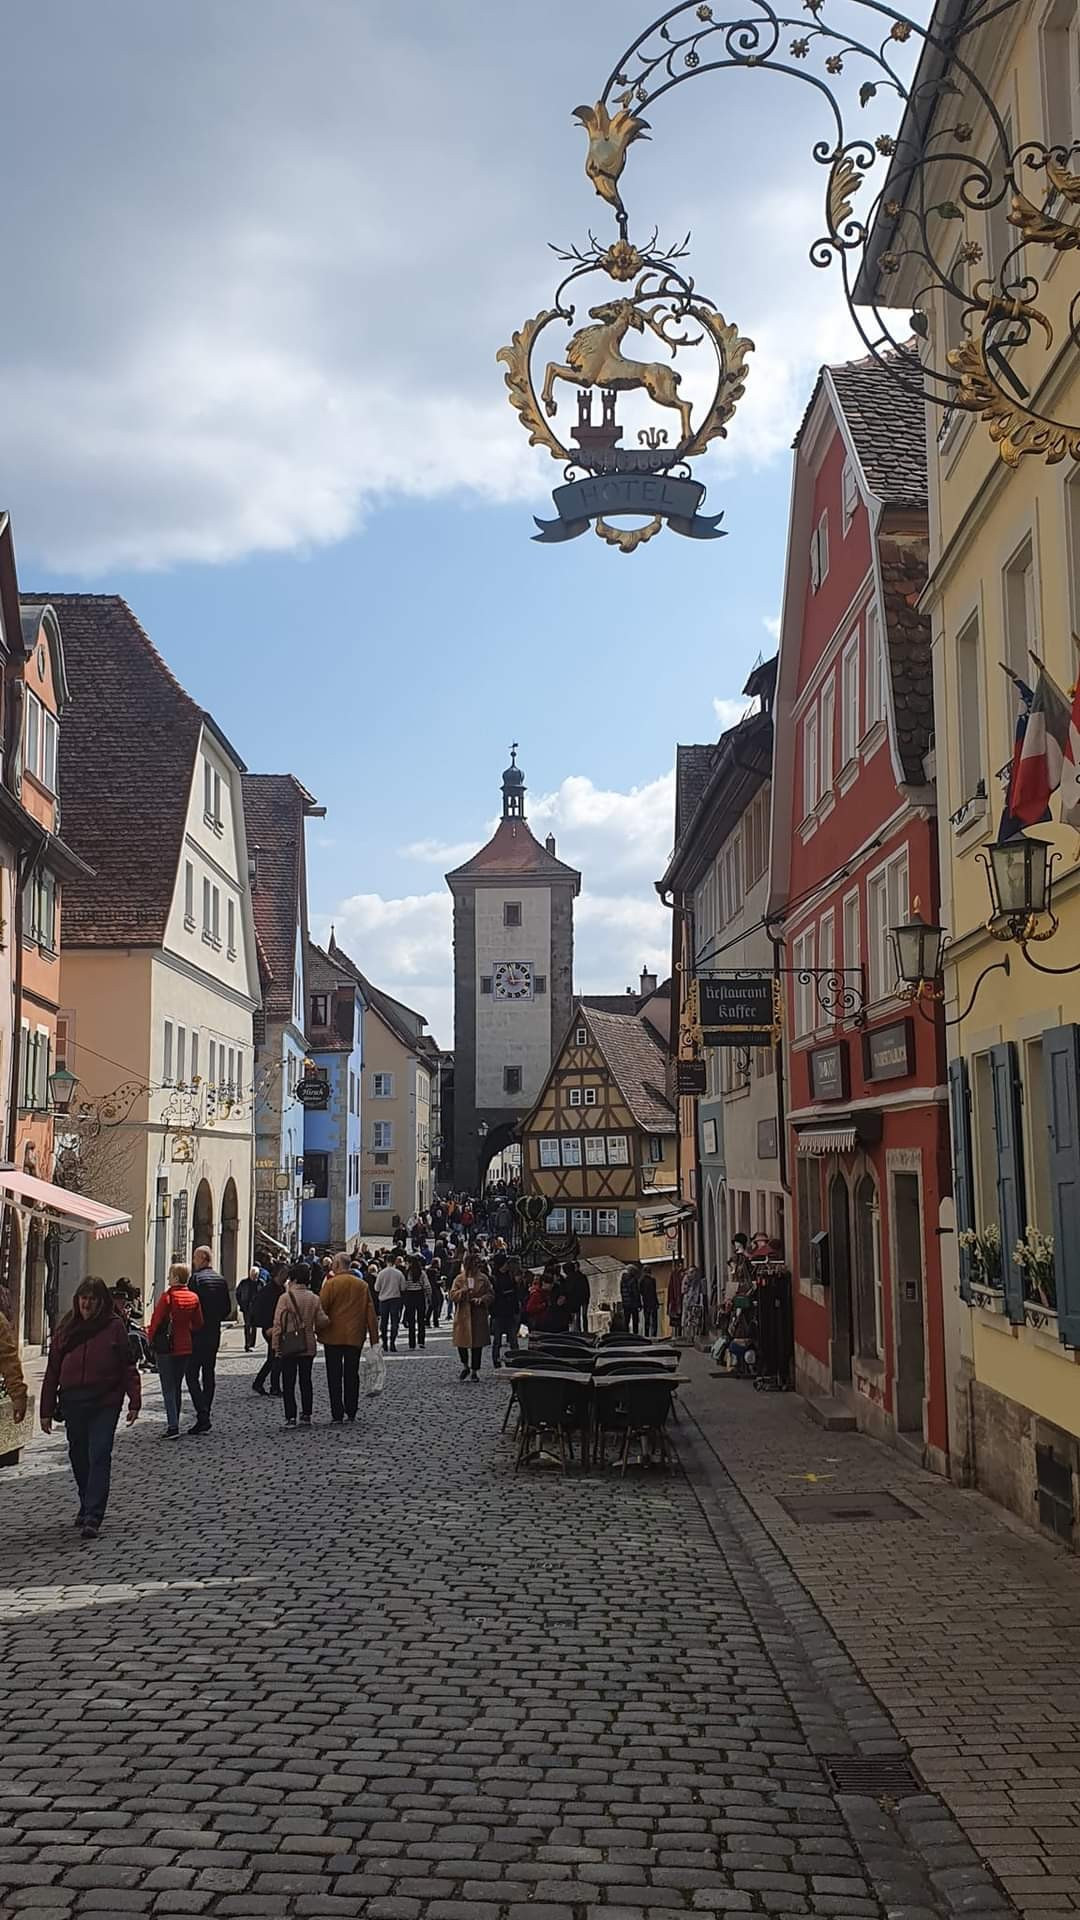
990 1299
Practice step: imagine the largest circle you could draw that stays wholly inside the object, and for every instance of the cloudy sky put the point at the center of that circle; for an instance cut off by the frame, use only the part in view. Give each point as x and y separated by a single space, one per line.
266 252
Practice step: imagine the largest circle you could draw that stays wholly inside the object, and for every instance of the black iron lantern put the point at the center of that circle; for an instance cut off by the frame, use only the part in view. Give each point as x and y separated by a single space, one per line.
62 1085
1018 872
917 946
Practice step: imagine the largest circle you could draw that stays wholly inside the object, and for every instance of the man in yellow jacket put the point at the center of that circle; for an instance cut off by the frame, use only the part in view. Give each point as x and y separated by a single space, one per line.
11 1374
349 1318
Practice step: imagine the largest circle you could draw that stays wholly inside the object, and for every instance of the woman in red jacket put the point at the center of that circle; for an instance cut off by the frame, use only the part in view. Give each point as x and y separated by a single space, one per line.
90 1364
177 1315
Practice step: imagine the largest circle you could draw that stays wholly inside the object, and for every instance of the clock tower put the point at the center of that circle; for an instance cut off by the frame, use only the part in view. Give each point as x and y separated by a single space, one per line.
513 979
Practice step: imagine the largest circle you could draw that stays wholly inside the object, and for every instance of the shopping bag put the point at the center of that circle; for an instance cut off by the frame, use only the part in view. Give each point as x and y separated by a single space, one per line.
372 1370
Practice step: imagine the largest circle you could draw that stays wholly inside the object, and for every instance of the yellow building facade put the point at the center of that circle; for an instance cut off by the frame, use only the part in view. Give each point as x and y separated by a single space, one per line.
1005 585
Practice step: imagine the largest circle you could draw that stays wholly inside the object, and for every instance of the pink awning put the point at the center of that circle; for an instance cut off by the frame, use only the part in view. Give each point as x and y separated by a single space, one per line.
67 1209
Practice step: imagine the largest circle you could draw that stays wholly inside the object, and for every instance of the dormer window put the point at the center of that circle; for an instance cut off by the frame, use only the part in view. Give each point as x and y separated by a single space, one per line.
212 797
42 735
850 489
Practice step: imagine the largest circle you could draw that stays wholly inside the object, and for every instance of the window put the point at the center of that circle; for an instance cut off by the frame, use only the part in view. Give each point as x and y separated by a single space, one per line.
590 1096
581 1037
33 733
39 910
317 1174
49 743
189 899
239 1073
211 1070
511 913
571 1150
810 767
755 837
511 1079
41 736
581 1220
1060 49
1039 1201
573 1096
539 983
875 703
382 1086
802 959
618 1150
211 796
828 717
232 929
181 1056
595 1150
849 694
180 1247
607 1221
969 708
1002 239
887 905
34 1068
207 911
849 487
852 941
826 956
382 1159
231 1081
167 1054
382 1195
215 918
65 1039
731 878
549 1153
808 1185
194 1054
1021 599
485 982
819 552
655 1150
320 1009
556 1220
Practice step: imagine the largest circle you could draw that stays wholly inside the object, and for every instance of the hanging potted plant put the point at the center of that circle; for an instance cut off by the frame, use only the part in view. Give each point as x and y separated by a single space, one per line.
983 1248
1034 1255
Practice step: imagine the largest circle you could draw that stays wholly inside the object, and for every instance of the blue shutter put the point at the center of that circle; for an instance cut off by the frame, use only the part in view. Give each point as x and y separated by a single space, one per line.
963 1180
1061 1071
1012 1210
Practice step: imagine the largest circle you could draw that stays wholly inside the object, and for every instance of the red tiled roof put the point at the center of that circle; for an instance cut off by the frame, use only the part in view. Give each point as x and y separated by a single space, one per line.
275 807
637 1063
127 756
514 849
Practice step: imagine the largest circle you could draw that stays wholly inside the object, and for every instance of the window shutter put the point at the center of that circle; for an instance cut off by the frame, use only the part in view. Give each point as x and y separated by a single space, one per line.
627 1223
1061 1069
1010 1171
963 1180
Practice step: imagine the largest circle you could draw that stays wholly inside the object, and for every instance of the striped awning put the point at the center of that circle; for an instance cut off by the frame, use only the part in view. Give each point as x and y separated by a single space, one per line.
60 1204
835 1140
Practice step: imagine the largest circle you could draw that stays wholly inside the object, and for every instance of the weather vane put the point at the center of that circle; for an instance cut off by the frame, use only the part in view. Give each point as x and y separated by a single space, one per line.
908 240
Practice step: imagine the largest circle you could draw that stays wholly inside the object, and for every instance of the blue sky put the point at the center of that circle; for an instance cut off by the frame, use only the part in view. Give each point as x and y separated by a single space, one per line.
250 384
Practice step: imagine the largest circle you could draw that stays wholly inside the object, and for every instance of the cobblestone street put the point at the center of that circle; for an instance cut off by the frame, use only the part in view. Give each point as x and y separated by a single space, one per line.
370 1672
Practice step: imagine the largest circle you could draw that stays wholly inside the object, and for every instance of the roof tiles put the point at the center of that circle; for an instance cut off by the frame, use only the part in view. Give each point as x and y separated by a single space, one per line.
637 1063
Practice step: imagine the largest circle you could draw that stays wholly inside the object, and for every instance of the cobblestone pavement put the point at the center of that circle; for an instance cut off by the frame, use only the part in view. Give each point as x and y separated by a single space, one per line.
369 1672
965 1624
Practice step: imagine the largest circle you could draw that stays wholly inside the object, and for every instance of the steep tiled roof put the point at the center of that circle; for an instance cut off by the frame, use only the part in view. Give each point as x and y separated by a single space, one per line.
328 976
638 1065
275 807
127 757
903 575
887 422
512 850
693 766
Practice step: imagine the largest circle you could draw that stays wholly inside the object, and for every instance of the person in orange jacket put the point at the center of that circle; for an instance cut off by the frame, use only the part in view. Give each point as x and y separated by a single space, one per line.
175 1318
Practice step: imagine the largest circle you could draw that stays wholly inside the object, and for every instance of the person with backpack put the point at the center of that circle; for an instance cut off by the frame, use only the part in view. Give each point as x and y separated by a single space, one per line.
175 1321
90 1366
505 1309
216 1302
270 1292
630 1295
415 1297
298 1320
350 1318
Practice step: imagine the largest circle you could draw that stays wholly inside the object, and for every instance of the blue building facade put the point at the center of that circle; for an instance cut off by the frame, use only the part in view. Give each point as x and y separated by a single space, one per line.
332 1134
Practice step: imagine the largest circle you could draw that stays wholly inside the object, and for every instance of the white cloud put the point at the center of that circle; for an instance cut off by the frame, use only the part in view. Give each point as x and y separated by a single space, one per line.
730 712
771 624
619 841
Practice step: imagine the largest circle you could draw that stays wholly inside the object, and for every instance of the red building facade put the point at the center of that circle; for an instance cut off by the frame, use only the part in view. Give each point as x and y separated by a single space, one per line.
854 846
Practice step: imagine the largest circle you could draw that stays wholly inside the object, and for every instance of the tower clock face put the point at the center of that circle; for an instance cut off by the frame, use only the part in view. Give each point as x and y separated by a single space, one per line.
513 980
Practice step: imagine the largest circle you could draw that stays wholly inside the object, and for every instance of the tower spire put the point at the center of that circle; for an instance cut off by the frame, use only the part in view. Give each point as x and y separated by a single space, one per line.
513 788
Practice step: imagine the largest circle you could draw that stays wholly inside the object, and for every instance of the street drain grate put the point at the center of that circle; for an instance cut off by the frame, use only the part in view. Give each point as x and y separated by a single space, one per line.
876 1774
836 1509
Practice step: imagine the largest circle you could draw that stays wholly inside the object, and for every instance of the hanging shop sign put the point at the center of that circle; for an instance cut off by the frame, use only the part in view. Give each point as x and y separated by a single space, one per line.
690 1078
829 1072
313 1092
889 1052
738 1011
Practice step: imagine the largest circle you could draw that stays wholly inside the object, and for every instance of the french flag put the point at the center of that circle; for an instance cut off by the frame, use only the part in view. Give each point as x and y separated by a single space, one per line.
1042 756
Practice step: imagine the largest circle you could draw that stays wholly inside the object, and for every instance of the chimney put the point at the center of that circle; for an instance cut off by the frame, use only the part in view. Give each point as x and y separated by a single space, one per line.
549 843
648 983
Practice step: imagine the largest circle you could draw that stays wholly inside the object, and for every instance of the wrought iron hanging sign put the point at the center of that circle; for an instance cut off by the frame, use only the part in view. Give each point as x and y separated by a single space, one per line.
968 341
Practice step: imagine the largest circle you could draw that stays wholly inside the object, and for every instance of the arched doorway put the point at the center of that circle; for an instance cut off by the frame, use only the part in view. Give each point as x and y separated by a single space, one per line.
230 1228
868 1318
34 1287
840 1277
713 1247
202 1224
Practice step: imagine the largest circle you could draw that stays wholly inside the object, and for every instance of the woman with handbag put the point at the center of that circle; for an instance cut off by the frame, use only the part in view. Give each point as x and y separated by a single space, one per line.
471 1295
90 1363
177 1315
298 1321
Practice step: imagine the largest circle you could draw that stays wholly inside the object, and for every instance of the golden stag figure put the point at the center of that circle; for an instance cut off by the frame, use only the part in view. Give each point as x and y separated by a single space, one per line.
593 360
